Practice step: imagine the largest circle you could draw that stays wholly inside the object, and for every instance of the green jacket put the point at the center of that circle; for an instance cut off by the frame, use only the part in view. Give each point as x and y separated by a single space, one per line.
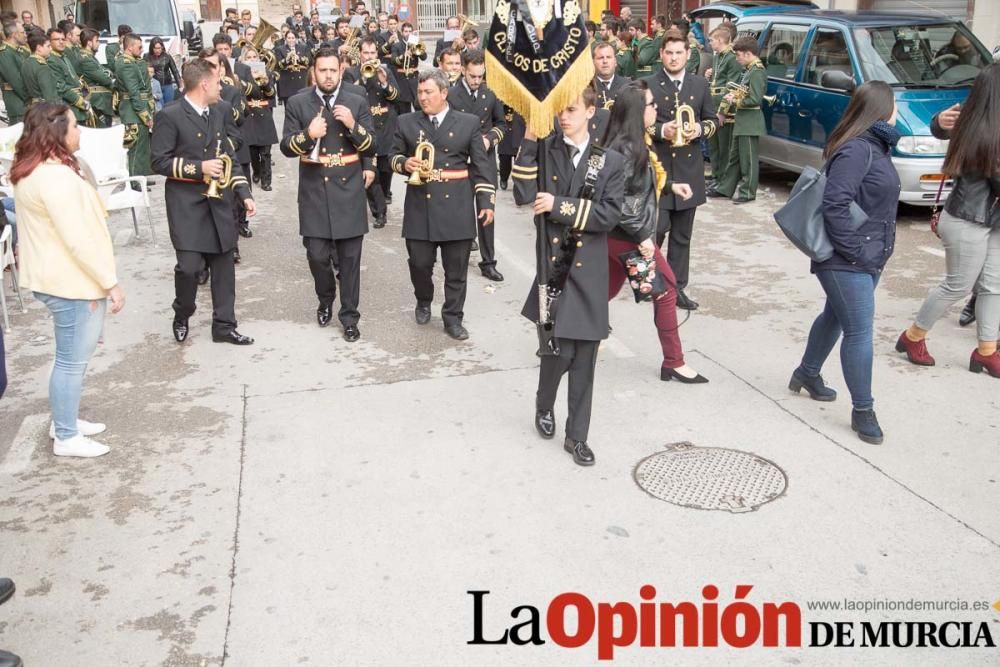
68 85
749 117
626 63
694 61
135 94
724 70
647 56
15 97
39 81
72 54
99 83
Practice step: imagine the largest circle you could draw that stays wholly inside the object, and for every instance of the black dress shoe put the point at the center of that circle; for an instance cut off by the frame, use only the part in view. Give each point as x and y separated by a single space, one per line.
379 221
388 199
545 422
742 200
475 246
266 187
457 331
351 333
233 338
491 273
256 178
713 193
683 301
180 330
323 314
668 374
968 315
236 256
582 454
6 589
422 314
245 230
8 659
203 276
503 185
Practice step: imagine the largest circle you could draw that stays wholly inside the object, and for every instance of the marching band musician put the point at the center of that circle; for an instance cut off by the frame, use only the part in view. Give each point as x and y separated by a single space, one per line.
724 70
135 104
258 126
332 216
606 82
188 146
406 58
381 92
442 197
293 66
451 64
470 95
578 200
67 83
232 92
13 53
96 78
509 144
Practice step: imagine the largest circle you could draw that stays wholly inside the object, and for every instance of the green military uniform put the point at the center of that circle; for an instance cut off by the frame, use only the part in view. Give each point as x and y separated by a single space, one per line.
99 85
68 85
72 54
646 54
39 81
658 41
112 51
135 107
15 97
743 171
694 60
724 70
626 61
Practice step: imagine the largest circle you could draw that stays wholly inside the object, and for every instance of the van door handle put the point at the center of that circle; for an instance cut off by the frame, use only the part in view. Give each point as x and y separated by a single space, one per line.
804 113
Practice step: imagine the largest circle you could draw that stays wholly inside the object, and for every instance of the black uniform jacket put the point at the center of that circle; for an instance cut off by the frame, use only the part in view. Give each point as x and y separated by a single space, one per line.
332 202
382 105
181 141
606 93
514 135
445 210
258 127
237 117
583 223
684 164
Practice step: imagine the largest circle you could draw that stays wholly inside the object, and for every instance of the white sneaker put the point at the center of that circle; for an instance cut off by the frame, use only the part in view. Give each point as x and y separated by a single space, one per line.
83 428
79 445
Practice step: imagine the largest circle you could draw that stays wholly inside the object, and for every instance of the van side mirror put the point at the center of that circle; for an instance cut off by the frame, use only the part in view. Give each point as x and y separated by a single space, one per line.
837 80
188 30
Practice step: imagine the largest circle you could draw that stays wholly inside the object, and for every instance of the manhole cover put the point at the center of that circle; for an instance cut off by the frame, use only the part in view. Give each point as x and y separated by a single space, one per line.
710 478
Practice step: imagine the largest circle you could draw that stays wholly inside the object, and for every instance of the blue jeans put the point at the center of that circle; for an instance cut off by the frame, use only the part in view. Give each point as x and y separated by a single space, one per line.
79 323
168 93
850 309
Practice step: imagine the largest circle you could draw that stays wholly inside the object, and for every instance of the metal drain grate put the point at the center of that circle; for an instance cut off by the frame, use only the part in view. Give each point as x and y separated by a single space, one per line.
710 478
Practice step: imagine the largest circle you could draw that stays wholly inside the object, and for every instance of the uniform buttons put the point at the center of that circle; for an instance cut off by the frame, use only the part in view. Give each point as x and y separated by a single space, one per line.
343 178
579 264
428 196
445 150
555 178
555 239
579 244
673 155
199 134
326 178
446 196
553 258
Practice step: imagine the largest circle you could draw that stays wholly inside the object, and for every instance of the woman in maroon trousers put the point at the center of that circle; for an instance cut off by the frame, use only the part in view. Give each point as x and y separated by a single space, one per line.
634 110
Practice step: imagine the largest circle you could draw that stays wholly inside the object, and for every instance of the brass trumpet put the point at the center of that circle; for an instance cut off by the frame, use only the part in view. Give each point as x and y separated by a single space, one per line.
417 50
424 152
686 120
369 69
217 185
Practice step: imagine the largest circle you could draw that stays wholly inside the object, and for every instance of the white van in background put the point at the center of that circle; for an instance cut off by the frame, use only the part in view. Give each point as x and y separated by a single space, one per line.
147 18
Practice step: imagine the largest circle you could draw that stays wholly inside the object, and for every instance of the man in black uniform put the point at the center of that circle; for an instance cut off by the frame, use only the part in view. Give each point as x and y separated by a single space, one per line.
332 180
470 95
188 140
576 192
381 92
606 83
441 211
451 23
672 85
406 59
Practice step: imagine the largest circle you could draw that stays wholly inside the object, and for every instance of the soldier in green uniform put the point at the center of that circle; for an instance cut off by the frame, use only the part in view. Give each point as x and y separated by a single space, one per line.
13 53
644 49
72 51
100 86
740 181
624 55
67 83
113 50
39 82
135 104
725 69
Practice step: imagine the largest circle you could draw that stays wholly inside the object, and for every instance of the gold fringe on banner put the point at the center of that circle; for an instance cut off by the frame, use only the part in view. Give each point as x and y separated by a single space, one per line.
538 115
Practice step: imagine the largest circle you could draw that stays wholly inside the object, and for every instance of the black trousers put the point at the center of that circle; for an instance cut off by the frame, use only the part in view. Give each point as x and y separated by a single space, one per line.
385 175
487 244
240 213
376 198
679 224
346 253
260 164
455 259
506 164
189 265
579 358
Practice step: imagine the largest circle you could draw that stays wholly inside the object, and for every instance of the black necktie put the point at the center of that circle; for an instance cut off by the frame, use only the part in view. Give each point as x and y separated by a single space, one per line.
326 101
573 152
434 123
677 84
204 116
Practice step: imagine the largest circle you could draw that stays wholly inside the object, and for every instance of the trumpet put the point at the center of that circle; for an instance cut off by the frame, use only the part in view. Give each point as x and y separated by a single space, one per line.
265 31
685 118
217 185
424 152
369 69
417 50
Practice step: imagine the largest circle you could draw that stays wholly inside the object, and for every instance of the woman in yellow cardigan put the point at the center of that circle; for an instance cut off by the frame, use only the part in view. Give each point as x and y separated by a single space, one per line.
67 261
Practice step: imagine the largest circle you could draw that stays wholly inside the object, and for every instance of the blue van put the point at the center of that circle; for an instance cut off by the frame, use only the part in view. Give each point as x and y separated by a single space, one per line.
815 58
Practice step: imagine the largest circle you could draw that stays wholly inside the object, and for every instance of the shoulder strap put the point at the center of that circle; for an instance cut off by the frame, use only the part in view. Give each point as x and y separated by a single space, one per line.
595 163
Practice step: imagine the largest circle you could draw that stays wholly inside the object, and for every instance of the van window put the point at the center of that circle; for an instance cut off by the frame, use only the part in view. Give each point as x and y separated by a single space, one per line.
146 17
782 49
749 29
921 55
827 52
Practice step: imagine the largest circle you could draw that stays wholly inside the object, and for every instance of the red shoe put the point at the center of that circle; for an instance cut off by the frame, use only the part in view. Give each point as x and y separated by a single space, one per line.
916 352
991 363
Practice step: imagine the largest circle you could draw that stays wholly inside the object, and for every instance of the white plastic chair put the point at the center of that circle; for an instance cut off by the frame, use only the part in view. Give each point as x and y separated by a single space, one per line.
7 259
8 139
107 158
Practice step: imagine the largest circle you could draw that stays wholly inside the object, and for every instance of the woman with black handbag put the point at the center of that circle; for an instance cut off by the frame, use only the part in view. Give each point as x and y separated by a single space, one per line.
859 169
632 250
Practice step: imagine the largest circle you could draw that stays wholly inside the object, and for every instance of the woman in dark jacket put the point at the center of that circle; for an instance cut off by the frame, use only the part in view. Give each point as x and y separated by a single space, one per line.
164 68
258 128
633 112
859 170
969 228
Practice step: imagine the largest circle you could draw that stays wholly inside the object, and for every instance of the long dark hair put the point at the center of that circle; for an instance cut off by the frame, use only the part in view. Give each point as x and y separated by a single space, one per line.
44 137
975 142
625 127
150 56
871 101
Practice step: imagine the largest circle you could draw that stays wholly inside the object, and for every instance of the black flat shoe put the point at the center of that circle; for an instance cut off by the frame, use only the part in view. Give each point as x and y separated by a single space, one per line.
968 315
245 231
668 374
233 338
457 331
203 276
491 273
742 200
713 193
352 333
6 589
379 221
545 423
256 178
582 454
475 246
8 659
266 187
180 330
684 302
503 185
323 315
422 314
236 256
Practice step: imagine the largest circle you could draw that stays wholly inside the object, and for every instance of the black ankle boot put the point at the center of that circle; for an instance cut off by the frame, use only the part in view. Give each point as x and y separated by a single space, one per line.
865 424
818 391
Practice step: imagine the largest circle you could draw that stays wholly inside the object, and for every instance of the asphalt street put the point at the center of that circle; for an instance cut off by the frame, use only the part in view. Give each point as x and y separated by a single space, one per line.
312 501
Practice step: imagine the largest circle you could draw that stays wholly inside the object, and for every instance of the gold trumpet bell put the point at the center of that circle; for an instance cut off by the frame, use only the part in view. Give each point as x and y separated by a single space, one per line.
424 152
